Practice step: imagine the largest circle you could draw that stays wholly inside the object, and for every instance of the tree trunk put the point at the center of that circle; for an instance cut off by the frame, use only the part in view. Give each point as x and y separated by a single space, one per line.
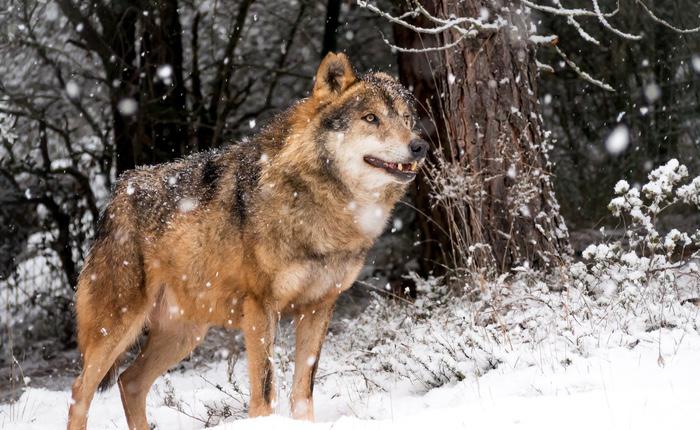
488 192
163 117
124 76
330 32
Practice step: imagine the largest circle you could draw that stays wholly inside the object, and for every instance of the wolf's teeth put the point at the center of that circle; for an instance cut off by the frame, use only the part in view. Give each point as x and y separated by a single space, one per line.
414 166
400 167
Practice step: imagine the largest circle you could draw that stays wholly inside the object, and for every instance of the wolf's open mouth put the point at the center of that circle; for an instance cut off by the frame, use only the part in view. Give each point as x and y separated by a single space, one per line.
405 171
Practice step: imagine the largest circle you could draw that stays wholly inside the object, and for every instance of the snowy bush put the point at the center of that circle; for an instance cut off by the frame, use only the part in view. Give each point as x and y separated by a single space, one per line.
622 293
645 266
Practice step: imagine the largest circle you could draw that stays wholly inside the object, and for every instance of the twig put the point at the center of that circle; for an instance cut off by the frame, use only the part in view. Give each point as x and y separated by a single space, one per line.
666 23
583 75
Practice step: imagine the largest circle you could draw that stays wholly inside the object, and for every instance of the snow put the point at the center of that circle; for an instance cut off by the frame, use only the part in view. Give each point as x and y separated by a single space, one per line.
484 14
165 73
72 89
621 187
695 61
690 193
652 92
127 106
186 205
397 225
543 40
618 140
371 218
647 386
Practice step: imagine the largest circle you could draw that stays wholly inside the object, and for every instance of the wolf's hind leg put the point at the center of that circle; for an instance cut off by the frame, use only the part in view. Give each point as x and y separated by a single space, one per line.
112 303
100 351
169 341
311 326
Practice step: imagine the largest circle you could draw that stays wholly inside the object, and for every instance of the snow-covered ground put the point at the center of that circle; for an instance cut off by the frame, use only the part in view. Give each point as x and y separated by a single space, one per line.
549 360
615 388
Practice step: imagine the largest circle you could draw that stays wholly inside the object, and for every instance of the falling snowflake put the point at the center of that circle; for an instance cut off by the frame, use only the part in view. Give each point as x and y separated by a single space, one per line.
127 106
72 89
51 11
652 92
165 73
618 140
186 205
695 61
484 14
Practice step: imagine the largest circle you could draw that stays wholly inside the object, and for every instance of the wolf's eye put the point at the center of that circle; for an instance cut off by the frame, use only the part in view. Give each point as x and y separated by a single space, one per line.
371 118
407 119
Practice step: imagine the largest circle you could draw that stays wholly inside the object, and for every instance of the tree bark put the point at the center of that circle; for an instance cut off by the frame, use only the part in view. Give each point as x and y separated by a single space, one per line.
162 116
488 194
330 35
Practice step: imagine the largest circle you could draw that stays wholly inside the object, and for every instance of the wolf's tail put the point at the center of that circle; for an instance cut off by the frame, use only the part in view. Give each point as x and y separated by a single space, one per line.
112 374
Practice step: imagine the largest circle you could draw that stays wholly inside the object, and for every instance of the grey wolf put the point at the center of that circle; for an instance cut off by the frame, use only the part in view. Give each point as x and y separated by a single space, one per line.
278 225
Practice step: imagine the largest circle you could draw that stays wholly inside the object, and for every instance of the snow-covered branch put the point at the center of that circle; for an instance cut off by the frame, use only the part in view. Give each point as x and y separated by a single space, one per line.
562 11
464 25
471 27
428 48
666 23
583 33
604 22
467 27
583 75
550 40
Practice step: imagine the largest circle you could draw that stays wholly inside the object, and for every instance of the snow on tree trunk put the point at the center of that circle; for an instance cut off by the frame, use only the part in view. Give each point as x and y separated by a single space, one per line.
489 192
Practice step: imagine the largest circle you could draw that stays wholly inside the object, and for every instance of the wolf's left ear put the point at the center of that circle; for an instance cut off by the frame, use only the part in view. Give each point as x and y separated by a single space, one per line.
334 76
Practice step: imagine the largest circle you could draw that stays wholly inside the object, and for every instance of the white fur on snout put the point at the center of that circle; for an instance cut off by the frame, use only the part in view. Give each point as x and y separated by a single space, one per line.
349 156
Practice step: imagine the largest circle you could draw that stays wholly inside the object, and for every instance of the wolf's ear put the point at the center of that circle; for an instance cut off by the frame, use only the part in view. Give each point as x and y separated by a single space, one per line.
334 76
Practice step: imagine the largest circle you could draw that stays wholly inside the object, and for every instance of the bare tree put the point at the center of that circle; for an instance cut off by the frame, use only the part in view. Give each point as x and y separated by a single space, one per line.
88 90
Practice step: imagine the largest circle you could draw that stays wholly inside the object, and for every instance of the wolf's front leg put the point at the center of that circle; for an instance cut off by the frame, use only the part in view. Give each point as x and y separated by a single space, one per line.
311 325
259 325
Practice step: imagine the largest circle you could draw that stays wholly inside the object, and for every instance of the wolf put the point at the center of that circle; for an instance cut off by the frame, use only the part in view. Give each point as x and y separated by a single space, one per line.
239 237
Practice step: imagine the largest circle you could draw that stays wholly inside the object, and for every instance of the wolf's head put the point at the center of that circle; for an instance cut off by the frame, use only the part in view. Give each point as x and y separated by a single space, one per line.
365 126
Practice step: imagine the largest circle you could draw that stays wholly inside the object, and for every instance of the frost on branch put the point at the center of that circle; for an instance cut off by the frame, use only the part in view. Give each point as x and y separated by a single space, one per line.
468 27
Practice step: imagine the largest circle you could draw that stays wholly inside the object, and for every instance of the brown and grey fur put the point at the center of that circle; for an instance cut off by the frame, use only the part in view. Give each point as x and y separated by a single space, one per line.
237 237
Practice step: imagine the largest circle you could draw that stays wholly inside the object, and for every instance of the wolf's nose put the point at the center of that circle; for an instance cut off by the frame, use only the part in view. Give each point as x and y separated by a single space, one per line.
418 147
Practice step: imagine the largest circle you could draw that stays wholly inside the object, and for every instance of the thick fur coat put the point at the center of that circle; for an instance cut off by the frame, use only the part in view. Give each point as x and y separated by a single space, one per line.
237 237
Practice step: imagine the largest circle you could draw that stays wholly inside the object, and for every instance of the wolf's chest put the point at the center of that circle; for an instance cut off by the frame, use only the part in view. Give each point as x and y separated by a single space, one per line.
309 280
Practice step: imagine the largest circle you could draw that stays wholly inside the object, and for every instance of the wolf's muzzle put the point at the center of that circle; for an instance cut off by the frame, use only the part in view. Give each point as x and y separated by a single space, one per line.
418 148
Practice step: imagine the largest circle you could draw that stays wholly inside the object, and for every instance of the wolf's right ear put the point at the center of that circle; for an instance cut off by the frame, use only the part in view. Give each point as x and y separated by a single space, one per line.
334 76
